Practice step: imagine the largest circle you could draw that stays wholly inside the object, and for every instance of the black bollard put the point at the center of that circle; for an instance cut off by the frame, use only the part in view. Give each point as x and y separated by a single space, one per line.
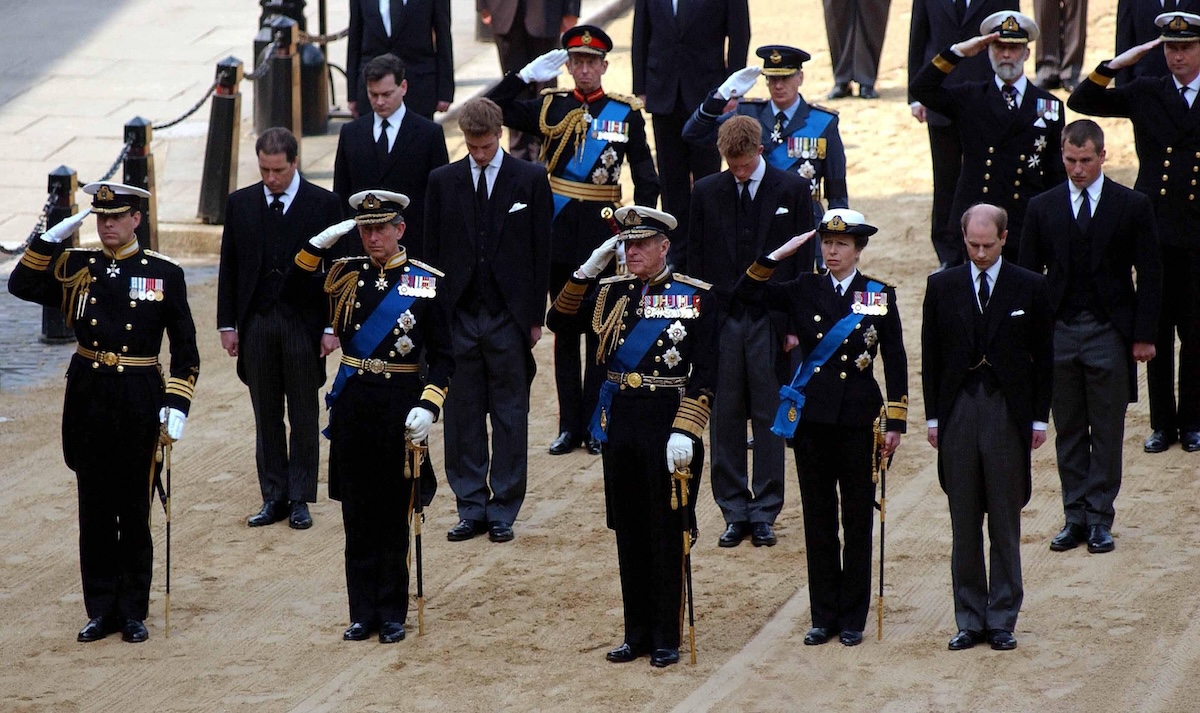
221 152
64 182
314 90
286 8
277 94
139 172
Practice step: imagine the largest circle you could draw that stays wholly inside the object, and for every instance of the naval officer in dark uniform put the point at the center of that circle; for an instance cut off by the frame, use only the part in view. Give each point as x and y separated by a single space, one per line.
119 299
845 320
587 137
798 137
657 349
387 312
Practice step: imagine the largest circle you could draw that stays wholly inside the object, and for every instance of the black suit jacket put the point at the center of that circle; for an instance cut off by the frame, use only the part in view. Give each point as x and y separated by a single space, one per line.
935 26
311 211
420 36
1167 136
1135 26
685 56
519 252
542 18
419 148
1019 346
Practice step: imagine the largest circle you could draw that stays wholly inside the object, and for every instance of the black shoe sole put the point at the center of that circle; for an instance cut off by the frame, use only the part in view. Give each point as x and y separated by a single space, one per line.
1101 550
1062 548
304 525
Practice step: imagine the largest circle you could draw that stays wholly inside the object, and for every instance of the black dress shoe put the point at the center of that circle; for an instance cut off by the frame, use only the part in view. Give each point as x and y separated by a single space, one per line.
96 629
622 654
134 631
734 533
565 443
867 91
1159 441
390 632
299 519
1048 83
465 530
850 638
1099 539
272 511
661 658
594 446
839 91
1068 538
965 639
762 535
500 532
817 636
1190 440
1002 640
357 632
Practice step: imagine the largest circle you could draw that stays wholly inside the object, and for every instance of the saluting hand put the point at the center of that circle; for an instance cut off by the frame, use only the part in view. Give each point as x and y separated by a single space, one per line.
739 82
544 68
975 45
1130 57
329 236
789 248
64 229
599 259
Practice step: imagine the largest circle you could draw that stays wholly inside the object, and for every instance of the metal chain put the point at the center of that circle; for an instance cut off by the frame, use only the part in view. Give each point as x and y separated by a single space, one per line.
115 164
189 112
324 39
263 66
38 229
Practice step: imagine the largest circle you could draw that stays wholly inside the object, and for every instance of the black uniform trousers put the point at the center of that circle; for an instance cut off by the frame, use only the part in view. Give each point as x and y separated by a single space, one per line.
749 388
680 164
491 379
1180 313
649 533
945 153
830 459
367 441
109 438
281 364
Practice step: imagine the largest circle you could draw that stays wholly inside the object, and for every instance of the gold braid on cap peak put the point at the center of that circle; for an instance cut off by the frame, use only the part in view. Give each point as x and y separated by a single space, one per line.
572 123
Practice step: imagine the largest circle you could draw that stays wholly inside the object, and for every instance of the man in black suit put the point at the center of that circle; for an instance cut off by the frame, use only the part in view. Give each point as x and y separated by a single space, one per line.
525 30
1089 235
418 32
679 55
1135 26
738 215
987 368
1166 130
277 335
1009 129
855 30
391 148
489 222
937 24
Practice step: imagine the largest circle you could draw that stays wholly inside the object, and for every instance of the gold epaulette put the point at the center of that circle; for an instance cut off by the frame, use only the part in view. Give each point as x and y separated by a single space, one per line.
693 281
825 109
425 266
611 279
555 90
160 256
876 279
634 103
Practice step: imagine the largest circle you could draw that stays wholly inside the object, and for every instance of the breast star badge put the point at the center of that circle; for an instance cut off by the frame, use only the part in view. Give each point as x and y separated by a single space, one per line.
1035 160
807 169
677 332
672 358
404 345
871 336
381 283
112 270
407 321
1039 144
863 361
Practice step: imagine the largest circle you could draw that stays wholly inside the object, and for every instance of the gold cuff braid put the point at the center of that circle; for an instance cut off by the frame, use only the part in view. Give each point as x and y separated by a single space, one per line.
692 416
570 297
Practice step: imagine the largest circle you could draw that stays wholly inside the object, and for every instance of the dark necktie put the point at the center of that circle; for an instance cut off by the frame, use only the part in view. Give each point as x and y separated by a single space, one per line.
1010 96
681 8
1183 95
837 287
1084 217
744 201
381 144
985 293
276 204
960 9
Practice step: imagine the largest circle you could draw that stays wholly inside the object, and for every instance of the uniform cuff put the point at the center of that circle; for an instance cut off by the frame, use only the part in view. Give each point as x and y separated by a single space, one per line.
947 60
762 269
179 393
692 416
432 398
307 261
897 414
571 296
38 255
1103 74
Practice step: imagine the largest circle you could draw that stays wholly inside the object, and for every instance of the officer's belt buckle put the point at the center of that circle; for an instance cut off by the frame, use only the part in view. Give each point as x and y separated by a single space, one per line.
108 358
375 366
633 379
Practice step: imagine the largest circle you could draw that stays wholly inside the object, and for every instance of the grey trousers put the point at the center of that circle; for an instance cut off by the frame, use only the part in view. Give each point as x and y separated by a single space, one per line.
855 30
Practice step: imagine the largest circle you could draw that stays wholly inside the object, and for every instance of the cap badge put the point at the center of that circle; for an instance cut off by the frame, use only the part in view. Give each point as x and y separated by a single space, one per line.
1178 24
105 194
1010 25
776 58
586 39
633 218
370 202
836 225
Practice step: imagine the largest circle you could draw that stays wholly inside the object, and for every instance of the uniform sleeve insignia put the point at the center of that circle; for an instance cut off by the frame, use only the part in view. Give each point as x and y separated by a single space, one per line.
671 357
677 332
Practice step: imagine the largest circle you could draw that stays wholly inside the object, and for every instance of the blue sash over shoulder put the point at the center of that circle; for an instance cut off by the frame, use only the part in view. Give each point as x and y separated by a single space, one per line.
579 166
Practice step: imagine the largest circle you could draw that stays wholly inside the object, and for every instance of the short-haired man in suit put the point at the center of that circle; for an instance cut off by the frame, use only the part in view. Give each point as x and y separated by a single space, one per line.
1166 131
416 31
1089 235
739 214
987 354
391 148
277 335
489 219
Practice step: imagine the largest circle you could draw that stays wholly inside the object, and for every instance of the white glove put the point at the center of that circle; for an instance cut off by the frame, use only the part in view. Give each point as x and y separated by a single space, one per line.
327 237
63 230
679 451
599 259
175 419
416 426
544 68
739 83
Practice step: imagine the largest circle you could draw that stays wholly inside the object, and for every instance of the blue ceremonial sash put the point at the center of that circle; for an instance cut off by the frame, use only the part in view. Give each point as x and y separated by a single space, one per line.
628 356
372 333
579 166
792 395
813 127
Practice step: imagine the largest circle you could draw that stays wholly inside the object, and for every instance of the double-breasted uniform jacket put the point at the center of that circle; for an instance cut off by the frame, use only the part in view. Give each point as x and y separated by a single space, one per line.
843 391
420 37
119 305
1167 136
813 150
567 124
1009 156
1019 346
1135 26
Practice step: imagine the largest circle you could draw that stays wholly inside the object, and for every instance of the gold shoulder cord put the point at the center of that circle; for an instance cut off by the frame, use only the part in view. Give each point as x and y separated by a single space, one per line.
572 123
75 289
341 290
608 330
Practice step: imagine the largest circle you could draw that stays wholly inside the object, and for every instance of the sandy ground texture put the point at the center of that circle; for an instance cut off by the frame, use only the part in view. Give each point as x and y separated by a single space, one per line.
257 614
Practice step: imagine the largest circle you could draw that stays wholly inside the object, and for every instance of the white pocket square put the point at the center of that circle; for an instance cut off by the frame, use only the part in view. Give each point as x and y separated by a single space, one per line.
1040 123
517 206
782 211
1017 313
